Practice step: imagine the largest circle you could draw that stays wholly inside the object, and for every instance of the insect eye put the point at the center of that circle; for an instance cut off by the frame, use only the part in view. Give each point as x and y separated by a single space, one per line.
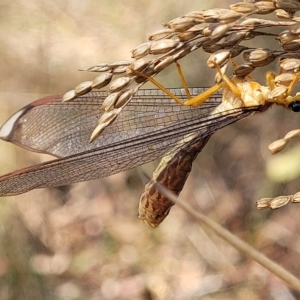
295 106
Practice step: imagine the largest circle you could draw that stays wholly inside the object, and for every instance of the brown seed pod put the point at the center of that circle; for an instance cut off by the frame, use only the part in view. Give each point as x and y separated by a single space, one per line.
165 33
181 53
103 67
196 15
213 15
102 80
212 48
290 65
295 28
187 35
163 64
124 98
284 79
163 46
70 95
220 57
83 88
243 70
243 8
292 46
141 50
286 37
282 14
220 31
230 16
109 101
288 5
138 65
106 119
259 57
278 92
182 24
120 83
264 7
234 38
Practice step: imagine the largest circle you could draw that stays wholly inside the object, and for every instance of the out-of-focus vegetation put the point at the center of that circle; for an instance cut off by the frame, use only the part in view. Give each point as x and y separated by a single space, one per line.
85 242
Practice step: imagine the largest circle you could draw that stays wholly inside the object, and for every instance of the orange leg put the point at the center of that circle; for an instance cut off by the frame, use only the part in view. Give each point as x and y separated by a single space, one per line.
201 98
193 101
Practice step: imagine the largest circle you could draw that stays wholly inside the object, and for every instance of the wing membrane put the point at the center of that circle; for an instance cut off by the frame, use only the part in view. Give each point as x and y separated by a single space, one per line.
137 137
63 129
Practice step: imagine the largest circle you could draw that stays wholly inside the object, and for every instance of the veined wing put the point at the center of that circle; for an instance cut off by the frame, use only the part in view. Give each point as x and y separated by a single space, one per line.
124 145
63 129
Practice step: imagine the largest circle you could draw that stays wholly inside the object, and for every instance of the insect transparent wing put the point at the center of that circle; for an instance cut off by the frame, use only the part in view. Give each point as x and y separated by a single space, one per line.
115 157
64 129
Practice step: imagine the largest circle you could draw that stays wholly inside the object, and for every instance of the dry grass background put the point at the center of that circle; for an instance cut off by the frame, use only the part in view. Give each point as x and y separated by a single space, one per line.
85 242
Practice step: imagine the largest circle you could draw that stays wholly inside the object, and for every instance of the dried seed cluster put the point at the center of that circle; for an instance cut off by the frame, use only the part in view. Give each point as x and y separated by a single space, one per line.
220 32
273 203
280 144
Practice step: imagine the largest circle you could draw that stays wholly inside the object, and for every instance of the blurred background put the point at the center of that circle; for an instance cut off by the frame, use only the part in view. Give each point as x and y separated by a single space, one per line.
85 241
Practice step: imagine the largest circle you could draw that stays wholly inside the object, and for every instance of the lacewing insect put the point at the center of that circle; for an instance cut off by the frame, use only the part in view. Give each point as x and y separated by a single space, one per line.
151 126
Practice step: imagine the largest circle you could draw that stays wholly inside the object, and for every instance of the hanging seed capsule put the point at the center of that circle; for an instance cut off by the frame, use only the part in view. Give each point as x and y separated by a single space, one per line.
282 14
119 70
220 31
284 79
292 134
243 70
290 64
278 92
70 95
286 37
212 48
292 46
207 31
229 16
163 46
259 57
181 53
98 68
163 64
243 8
197 28
138 65
141 50
109 101
213 15
296 198
253 22
106 119
279 202
196 15
237 50
120 63
181 24
83 88
187 35
219 58
277 146
263 203
264 7
295 28
288 5
161 34
124 98
120 83
102 80
234 38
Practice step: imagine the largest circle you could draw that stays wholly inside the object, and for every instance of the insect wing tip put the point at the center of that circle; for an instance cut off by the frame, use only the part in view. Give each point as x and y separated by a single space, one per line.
8 127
